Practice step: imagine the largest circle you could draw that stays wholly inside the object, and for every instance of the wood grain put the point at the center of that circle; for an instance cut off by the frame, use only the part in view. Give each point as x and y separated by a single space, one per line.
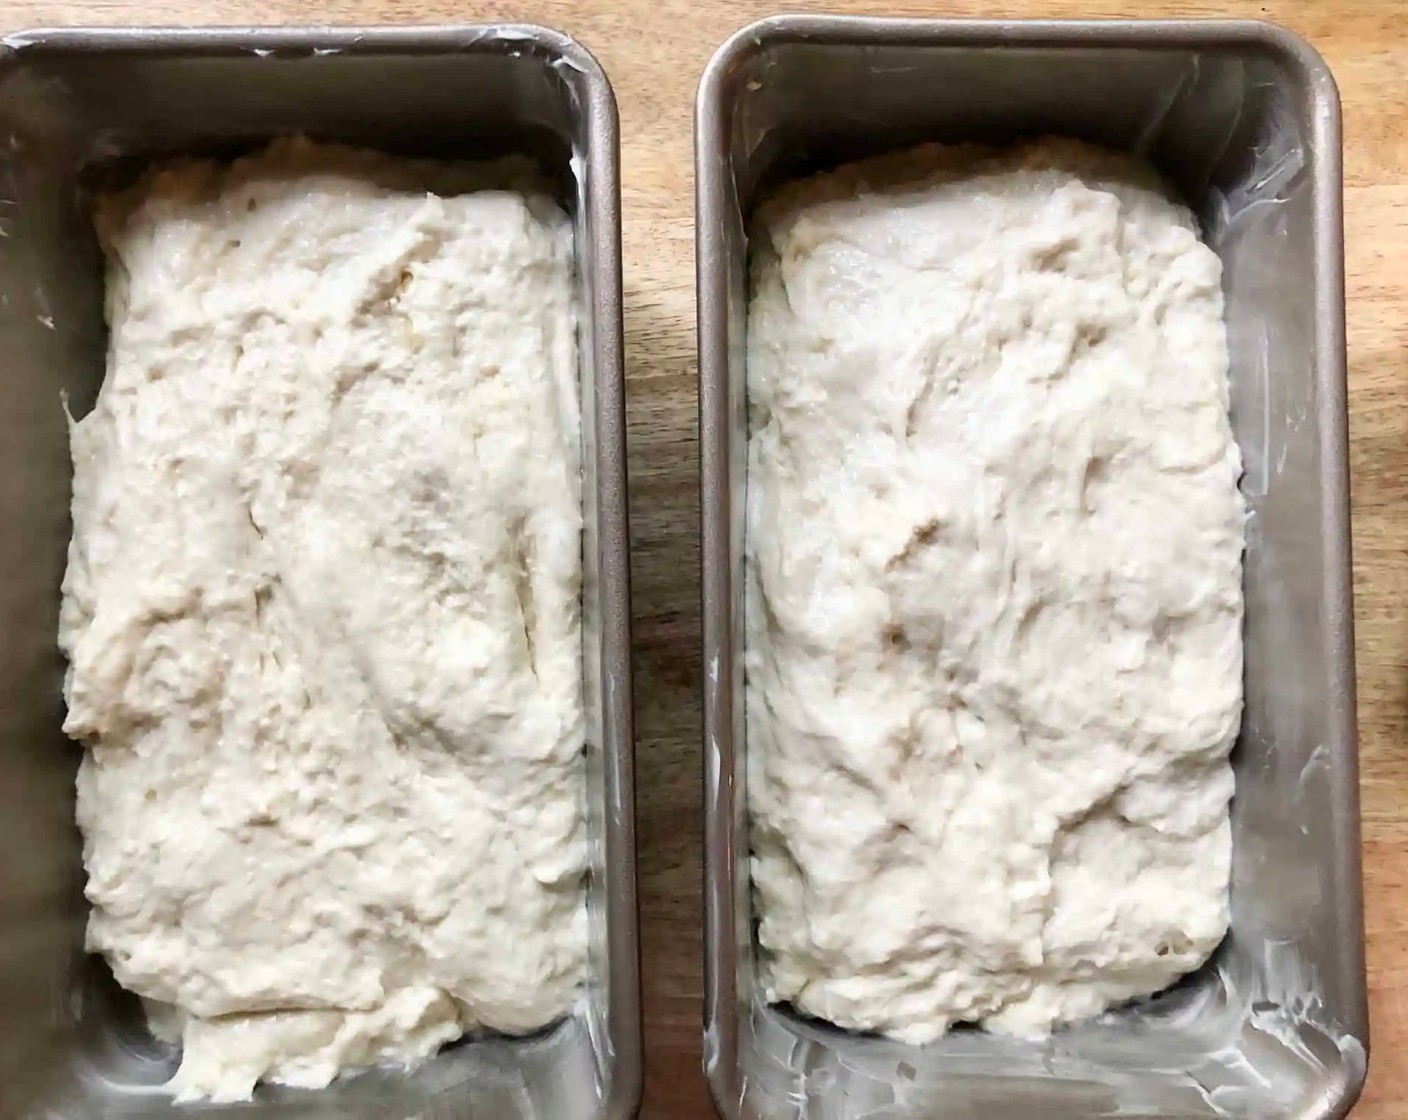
653 51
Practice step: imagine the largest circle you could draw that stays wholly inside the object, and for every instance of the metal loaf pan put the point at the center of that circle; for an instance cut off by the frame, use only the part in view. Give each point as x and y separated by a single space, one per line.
1244 119
72 1045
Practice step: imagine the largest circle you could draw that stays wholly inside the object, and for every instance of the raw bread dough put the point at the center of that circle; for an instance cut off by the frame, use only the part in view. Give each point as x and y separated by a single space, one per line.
993 591
322 613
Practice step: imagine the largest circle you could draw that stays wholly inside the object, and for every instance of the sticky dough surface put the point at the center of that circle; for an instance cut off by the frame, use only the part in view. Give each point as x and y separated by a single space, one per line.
994 602
322 613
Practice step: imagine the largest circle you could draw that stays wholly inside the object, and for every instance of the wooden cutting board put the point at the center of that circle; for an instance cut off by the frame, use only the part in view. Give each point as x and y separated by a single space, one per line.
653 51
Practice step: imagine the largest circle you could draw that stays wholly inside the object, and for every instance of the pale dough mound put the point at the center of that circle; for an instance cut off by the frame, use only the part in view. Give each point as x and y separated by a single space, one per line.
322 613
994 602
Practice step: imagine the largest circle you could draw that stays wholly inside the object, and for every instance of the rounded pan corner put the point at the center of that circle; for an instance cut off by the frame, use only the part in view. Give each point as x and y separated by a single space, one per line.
752 39
1299 55
737 50
1338 1099
12 42
748 41
9 58
1304 64
624 1100
726 1107
16 45
569 51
